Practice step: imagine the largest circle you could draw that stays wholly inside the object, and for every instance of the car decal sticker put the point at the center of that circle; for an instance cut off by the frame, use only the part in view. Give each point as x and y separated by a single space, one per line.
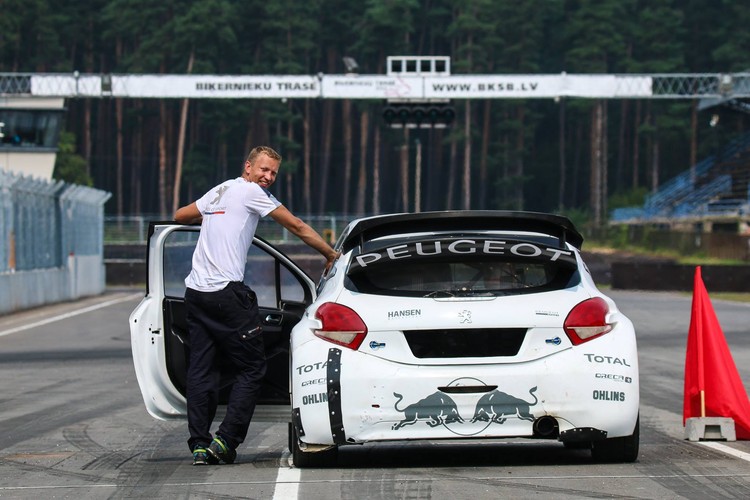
436 409
439 408
497 406
461 247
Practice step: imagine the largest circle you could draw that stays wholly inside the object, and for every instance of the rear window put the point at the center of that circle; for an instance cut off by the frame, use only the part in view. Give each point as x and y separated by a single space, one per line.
462 267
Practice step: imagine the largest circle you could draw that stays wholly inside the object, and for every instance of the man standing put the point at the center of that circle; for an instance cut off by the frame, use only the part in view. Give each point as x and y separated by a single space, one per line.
222 312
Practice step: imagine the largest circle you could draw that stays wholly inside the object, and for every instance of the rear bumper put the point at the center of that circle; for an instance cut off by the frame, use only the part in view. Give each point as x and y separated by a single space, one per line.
344 396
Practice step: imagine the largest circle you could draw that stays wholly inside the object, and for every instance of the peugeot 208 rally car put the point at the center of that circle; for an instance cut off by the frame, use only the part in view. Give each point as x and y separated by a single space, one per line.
442 325
460 325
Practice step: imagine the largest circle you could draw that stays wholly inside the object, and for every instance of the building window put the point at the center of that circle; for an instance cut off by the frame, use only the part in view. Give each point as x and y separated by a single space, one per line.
38 128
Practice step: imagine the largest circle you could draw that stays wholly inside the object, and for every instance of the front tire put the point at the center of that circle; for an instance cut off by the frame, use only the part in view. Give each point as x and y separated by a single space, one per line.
304 459
620 449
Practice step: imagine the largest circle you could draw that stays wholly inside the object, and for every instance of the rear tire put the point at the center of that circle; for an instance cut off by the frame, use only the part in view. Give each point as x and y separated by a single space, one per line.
620 449
304 459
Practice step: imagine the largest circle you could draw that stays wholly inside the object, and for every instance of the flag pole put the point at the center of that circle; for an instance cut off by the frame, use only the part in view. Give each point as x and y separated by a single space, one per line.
699 342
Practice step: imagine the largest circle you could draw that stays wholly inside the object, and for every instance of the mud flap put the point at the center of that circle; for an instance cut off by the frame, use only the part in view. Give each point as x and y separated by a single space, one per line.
580 434
297 422
333 381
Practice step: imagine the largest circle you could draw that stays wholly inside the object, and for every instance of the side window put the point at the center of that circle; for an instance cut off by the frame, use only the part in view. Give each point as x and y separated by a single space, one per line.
178 260
260 275
291 289
260 271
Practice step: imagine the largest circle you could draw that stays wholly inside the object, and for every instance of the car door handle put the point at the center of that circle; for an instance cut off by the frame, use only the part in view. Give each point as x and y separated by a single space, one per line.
273 319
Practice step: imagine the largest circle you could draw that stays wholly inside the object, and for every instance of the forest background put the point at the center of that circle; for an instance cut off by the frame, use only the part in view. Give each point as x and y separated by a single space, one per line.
573 156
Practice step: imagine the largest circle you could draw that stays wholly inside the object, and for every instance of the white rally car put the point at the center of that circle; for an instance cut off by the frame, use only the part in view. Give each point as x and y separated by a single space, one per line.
438 325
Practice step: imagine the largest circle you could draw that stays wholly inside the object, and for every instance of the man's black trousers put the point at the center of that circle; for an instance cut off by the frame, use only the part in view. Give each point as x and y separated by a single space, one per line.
225 336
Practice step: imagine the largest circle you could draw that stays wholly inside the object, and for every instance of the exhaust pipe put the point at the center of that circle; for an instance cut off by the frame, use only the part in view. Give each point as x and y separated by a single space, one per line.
546 427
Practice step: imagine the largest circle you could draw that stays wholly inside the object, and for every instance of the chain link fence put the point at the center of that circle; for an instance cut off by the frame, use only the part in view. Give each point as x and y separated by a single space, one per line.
51 241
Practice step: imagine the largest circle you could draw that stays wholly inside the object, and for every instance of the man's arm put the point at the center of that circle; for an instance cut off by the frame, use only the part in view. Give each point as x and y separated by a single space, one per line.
296 226
189 214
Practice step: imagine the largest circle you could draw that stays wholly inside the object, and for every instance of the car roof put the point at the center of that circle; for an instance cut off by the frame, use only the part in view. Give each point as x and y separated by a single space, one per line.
369 228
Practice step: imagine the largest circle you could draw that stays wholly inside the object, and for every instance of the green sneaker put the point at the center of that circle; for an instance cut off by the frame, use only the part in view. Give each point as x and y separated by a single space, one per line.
202 457
220 450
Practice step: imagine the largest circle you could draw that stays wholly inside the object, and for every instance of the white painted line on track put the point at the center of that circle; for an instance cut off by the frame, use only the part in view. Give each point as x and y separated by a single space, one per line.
726 449
287 479
70 314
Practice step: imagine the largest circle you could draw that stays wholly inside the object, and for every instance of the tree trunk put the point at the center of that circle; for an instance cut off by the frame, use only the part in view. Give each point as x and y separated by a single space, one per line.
181 142
87 135
326 140
452 167
636 142
485 151
405 172
376 172
655 165
347 124
163 159
467 157
119 141
119 148
306 160
519 167
577 160
291 158
595 181
693 139
561 153
364 129
621 148
136 173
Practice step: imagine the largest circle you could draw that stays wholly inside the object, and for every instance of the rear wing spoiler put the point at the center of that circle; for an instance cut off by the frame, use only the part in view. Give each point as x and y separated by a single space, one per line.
370 228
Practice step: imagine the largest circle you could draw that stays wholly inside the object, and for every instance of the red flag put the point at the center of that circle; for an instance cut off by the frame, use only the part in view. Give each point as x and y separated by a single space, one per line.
713 387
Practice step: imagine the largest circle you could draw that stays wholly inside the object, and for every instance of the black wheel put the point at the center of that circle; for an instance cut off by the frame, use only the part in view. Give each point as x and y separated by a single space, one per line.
304 459
620 449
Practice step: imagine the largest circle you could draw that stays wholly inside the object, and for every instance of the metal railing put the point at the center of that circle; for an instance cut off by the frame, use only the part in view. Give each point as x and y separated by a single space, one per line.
133 229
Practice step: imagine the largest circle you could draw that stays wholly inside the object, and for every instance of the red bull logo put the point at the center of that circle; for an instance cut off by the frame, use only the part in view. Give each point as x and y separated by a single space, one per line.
440 407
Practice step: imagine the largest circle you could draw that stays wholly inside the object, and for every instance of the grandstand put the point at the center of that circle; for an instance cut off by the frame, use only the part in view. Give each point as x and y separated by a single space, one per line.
712 196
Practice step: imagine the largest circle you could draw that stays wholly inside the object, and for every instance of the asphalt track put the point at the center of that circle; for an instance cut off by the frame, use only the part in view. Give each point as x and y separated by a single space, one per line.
73 425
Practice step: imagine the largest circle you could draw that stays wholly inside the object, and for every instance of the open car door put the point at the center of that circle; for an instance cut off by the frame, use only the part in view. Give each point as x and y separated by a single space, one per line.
158 329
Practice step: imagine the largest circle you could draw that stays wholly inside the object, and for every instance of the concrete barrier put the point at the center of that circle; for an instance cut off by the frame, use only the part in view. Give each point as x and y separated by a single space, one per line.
678 277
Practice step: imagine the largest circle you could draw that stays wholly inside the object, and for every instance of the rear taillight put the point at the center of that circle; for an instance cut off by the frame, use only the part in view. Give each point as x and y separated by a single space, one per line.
340 325
587 321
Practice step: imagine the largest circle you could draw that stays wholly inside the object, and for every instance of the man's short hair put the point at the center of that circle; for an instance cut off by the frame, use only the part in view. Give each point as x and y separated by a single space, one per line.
258 150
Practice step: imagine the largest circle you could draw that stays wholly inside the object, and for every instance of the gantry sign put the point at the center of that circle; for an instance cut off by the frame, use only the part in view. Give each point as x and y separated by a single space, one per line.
410 80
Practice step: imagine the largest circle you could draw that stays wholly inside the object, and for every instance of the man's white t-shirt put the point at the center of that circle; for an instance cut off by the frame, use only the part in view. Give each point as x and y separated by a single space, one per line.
231 212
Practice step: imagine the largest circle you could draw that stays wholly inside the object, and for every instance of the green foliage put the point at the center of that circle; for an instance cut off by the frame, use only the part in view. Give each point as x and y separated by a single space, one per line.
579 217
256 37
199 169
69 166
631 198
